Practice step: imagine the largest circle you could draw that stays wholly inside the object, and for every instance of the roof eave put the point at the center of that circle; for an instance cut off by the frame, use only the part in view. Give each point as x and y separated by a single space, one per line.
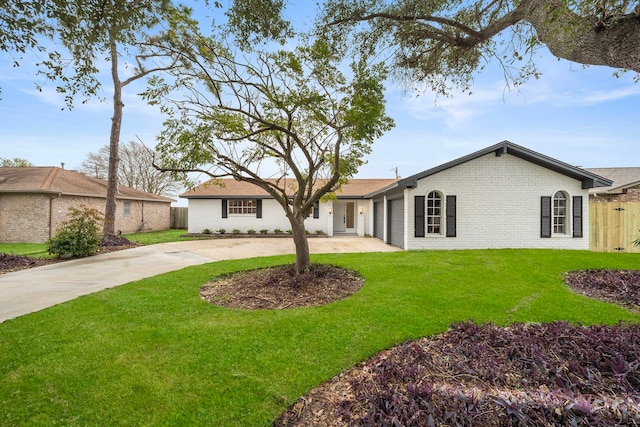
588 179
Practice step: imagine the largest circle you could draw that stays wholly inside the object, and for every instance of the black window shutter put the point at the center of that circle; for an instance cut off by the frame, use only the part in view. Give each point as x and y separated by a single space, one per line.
316 210
545 216
224 208
577 216
419 216
451 216
259 208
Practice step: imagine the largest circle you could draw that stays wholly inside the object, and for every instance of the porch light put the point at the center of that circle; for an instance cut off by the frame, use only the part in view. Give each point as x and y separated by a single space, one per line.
330 211
361 210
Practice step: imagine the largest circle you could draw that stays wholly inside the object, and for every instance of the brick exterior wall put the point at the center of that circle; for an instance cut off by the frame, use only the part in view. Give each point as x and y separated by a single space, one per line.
24 218
631 194
33 218
498 205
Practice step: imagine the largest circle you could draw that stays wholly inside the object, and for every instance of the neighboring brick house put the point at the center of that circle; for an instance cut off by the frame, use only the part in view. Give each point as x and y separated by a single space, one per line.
615 210
35 200
504 196
625 187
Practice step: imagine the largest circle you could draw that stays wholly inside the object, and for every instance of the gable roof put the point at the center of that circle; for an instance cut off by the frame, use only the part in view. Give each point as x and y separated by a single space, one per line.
55 180
622 178
230 188
589 179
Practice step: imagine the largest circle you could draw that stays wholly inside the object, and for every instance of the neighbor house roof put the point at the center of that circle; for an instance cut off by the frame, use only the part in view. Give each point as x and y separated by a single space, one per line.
589 179
230 188
55 180
622 178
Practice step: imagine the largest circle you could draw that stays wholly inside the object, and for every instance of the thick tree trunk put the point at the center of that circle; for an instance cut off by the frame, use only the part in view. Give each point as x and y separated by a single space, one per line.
614 43
299 234
108 229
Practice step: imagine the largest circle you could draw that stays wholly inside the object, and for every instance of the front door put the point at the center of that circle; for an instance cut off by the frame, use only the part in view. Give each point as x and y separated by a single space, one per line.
344 217
350 218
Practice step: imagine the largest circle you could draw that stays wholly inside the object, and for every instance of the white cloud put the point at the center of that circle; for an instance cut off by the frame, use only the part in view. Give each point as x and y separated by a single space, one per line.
454 109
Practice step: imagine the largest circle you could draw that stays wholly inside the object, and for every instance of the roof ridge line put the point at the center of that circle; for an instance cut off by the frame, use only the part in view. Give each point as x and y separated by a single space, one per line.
48 181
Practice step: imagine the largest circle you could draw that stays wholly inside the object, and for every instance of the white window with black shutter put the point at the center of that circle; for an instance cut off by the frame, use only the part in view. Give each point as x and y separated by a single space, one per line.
561 215
435 215
560 210
241 207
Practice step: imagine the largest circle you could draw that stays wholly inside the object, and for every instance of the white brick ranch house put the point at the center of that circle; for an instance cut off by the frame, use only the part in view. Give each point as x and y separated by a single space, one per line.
504 196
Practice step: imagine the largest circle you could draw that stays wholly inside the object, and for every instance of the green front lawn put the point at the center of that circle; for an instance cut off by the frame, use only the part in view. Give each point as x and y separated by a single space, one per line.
153 353
39 250
35 250
162 236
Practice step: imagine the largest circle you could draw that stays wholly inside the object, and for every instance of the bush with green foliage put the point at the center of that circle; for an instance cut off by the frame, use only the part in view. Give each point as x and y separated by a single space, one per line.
78 236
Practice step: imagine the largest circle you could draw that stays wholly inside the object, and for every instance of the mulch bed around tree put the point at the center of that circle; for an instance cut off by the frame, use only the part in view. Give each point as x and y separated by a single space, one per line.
280 288
11 262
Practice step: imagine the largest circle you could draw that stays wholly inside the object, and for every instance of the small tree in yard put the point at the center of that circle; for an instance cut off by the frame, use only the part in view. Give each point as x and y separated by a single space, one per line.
78 236
292 113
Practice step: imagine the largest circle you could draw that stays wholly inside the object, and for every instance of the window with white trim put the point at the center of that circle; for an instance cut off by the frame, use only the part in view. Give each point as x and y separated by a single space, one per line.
242 207
434 213
560 209
127 208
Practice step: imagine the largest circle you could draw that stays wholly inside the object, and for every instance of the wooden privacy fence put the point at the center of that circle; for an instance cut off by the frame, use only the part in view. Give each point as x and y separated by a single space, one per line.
614 226
179 218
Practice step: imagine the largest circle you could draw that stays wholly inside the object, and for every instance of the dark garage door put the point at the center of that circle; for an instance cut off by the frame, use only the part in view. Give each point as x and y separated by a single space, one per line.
396 222
378 220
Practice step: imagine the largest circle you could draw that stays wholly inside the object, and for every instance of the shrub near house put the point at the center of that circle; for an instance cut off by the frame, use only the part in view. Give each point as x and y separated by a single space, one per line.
78 236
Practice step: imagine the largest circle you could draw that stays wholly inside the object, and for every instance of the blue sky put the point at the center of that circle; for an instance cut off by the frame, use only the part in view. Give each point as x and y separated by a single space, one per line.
582 116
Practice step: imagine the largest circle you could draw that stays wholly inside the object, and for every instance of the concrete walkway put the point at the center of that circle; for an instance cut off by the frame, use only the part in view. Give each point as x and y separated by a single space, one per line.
26 291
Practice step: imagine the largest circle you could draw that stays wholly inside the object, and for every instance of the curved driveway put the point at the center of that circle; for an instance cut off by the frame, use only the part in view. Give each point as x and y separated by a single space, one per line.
34 289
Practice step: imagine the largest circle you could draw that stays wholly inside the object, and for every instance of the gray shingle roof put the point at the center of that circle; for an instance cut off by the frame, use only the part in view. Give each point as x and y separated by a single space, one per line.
589 179
355 188
622 178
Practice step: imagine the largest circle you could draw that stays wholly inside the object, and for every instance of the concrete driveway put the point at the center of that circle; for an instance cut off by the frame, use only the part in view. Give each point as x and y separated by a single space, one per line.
26 291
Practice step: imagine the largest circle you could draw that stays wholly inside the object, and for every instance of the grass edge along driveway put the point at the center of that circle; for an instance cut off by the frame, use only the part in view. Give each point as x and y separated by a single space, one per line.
153 353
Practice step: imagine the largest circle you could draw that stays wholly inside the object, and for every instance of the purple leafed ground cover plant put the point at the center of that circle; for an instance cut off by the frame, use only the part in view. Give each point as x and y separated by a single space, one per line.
616 286
549 374
544 374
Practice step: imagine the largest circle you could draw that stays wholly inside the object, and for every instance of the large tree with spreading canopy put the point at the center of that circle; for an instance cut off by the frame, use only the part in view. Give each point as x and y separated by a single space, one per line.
444 42
287 121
